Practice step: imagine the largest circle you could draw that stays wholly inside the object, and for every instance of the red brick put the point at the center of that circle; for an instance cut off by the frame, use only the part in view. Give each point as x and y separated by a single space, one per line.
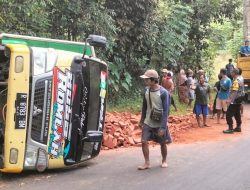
137 139
117 135
132 128
122 124
121 139
137 132
115 142
118 129
112 132
134 121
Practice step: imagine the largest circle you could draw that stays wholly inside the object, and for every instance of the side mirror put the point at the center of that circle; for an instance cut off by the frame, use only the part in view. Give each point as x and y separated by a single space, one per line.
93 136
78 60
97 41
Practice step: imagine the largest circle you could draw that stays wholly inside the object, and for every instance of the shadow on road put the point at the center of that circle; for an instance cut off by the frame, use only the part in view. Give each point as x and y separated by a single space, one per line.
9 177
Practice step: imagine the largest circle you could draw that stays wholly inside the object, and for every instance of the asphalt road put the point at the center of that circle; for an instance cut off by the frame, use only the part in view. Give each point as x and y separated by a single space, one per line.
220 165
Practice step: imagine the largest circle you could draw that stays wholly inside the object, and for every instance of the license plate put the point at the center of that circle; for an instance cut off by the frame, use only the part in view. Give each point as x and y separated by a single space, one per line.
21 111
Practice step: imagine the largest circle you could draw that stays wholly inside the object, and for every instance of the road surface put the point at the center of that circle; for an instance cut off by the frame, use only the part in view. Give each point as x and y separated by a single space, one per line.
219 165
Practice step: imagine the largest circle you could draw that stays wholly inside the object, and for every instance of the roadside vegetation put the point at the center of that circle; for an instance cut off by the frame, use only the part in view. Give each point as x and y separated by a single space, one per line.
142 34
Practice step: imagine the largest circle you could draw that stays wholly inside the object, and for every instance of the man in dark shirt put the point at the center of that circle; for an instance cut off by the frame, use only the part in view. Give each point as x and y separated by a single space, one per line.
234 105
202 92
230 68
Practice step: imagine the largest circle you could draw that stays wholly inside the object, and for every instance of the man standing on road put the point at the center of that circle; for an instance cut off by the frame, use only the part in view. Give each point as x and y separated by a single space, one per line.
234 105
155 110
202 92
223 94
230 68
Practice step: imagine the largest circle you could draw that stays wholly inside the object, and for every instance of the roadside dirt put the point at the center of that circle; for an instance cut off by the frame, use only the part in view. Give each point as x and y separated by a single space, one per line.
121 129
213 133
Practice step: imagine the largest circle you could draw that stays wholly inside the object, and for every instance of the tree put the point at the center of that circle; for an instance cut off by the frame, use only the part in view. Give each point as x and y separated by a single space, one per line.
246 18
24 17
206 12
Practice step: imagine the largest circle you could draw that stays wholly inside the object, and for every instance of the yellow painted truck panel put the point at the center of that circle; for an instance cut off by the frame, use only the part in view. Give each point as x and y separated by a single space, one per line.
244 64
18 83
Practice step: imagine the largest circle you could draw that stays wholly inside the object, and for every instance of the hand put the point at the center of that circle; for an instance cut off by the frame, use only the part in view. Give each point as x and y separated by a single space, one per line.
161 132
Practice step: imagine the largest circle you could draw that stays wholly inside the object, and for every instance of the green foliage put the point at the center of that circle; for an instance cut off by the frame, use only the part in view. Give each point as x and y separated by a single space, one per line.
173 32
226 37
205 13
23 17
150 35
142 34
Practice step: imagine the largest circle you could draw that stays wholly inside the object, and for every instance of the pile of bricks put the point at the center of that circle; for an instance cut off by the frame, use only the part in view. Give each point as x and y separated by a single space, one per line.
122 129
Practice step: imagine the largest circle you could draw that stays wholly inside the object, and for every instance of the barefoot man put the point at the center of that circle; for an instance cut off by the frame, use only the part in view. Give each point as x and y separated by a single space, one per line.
202 92
155 110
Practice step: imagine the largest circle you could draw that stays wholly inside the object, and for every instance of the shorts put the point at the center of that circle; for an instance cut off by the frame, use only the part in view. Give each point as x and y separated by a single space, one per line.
221 104
151 134
201 109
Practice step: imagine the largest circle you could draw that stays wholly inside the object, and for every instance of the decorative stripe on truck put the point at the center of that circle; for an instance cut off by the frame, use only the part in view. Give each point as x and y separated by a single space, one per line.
61 115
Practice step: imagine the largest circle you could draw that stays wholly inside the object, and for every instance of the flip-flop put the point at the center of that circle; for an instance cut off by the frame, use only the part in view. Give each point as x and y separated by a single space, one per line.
143 167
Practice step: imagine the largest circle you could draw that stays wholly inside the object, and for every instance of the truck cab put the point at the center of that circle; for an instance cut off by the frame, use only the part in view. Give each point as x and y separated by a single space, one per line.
52 102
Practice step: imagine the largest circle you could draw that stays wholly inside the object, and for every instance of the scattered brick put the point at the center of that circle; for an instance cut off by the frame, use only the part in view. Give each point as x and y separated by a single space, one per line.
122 129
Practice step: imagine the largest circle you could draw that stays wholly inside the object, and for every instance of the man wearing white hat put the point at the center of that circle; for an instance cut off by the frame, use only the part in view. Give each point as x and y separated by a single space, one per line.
155 110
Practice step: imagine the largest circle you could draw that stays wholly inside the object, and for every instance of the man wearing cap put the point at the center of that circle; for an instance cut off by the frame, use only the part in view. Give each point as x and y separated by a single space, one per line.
245 50
155 110
234 106
164 73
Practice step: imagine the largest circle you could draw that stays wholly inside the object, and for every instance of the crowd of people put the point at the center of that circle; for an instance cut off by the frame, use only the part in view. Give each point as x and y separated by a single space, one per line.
191 87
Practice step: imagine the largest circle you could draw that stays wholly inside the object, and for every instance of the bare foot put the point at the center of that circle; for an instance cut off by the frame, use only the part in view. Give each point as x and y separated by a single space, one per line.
206 125
164 165
144 167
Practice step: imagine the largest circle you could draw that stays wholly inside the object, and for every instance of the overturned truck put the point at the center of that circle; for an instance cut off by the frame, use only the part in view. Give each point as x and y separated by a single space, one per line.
52 102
